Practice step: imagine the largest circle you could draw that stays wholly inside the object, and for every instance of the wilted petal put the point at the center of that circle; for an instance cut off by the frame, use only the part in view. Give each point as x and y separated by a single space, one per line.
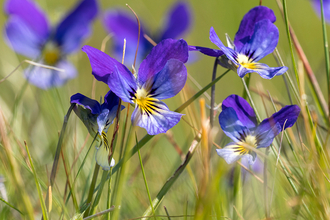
230 53
272 126
102 158
233 152
30 14
22 39
108 70
206 51
243 110
263 41
231 125
88 103
248 22
45 78
159 120
76 26
158 57
89 119
124 26
263 70
169 81
178 21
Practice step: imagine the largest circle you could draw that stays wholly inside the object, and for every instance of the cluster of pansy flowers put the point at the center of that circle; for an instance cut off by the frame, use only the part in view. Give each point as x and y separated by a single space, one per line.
161 75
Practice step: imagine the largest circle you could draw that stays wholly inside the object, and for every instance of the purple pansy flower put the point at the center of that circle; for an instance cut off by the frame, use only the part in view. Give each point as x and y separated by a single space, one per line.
122 25
256 37
28 32
161 75
326 8
97 119
238 121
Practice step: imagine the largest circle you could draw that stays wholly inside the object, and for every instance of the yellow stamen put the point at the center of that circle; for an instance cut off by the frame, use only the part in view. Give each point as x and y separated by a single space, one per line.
245 146
144 101
246 62
51 54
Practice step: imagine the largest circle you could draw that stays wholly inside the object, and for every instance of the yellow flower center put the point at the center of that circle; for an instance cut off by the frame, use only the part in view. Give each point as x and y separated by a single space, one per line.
246 62
144 101
245 146
51 54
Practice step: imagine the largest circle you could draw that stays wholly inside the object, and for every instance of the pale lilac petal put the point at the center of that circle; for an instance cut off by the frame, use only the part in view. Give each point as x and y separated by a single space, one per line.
263 70
230 154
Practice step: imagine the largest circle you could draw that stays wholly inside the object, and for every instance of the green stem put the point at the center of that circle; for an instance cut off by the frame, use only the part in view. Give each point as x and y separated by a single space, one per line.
238 194
99 192
214 74
109 196
91 189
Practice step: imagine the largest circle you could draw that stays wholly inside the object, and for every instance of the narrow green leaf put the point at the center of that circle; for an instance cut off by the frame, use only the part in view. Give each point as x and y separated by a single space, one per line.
11 206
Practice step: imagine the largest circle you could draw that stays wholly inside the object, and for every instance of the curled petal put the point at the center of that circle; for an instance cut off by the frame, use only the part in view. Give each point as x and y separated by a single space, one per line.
233 152
243 110
46 78
178 21
157 120
263 41
231 125
108 70
263 70
272 126
206 51
89 119
102 158
75 27
158 57
22 38
88 103
169 81
29 14
246 27
230 53
123 26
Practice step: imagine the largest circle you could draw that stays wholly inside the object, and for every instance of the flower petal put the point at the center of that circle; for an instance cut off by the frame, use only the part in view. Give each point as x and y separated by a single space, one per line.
108 70
158 57
326 7
178 21
263 70
46 78
123 26
89 119
158 121
231 125
233 152
243 110
169 81
76 26
88 103
30 14
263 41
22 39
230 53
102 158
206 51
272 126
248 22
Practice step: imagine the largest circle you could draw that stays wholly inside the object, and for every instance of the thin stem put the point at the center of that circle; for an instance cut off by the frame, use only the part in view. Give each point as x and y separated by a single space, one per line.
214 74
91 189
109 196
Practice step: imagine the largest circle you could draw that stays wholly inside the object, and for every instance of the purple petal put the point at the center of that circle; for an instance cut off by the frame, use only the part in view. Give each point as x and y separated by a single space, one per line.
178 21
169 81
159 122
230 154
159 55
263 70
270 127
110 100
230 53
22 39
76 26
46 78
108 70
88 103
231 125
246 27
123 26
326 7
30 14
263 41
243 110
206 51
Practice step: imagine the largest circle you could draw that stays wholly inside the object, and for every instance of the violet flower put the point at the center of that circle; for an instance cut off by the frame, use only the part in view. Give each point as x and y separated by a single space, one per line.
238 121
122 25
161 75
257 37
29 33
326 8
97 119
